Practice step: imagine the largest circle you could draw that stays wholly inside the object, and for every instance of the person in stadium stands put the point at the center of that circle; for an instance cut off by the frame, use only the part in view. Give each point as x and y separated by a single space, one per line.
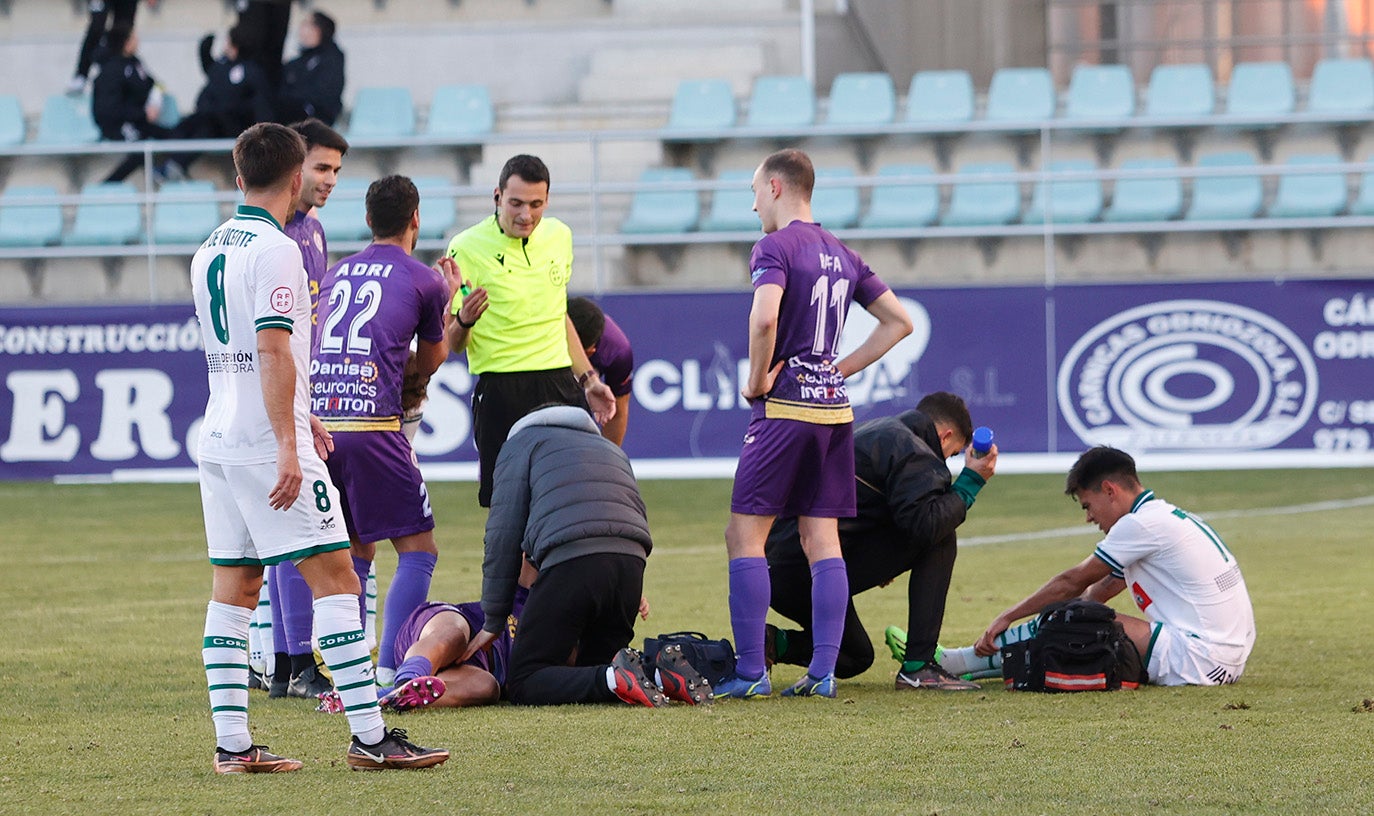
566 501
609 352
908 510
296 674
513 322
798 454
105 16
125 101
1198 627
312 84
265 24
371 306
265 491
236 95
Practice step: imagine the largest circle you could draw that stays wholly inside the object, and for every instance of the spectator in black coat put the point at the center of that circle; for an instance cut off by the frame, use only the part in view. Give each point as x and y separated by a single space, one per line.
312 84
265 24
95 46
125 100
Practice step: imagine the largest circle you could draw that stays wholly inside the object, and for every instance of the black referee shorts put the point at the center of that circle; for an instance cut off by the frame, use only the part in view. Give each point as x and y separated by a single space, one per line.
500 400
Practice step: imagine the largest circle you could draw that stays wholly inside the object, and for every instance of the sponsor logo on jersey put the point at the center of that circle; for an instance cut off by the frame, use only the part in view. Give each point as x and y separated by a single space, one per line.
327 524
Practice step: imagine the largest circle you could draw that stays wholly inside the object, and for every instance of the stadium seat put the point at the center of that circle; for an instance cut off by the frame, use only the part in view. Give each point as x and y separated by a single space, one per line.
185 212
1100 92
1217 198
782 102
732 209
1364 199
29 225
702 104
100 222
983 202
663 210
1020 95
438 209
382 113
170 114
940 96
66 120
1071 201
1146 199
862 99
11 121
1179 91
344 217
902 204
1310 195
835 207
1342 86
461 112
1260 89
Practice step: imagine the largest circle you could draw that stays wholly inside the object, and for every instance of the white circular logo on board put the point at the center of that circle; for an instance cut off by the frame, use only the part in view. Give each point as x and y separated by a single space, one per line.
283 300
885 379
1187 375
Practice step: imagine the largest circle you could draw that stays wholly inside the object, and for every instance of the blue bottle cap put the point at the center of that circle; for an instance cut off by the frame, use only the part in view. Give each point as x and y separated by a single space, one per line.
982 439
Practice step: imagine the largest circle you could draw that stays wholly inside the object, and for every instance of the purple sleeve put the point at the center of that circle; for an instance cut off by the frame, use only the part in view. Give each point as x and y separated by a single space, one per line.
433 302
767 264
869 287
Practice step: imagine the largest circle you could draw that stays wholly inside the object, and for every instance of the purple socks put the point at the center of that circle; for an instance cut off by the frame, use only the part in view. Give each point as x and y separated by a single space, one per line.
362 568
292 599
408 590
413 667
829 604
749 596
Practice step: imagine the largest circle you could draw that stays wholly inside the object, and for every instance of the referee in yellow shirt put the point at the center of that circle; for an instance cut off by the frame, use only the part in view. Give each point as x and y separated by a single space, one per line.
513 316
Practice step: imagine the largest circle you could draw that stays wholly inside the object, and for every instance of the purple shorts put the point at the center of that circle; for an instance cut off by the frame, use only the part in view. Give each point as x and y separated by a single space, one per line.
380 487
494 661
792 468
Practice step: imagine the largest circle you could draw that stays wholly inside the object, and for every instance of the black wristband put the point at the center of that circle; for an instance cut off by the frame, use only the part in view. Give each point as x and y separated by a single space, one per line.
459 317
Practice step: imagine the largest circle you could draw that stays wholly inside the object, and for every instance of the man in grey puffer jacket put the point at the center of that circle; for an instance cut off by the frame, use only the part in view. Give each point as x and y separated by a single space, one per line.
566 499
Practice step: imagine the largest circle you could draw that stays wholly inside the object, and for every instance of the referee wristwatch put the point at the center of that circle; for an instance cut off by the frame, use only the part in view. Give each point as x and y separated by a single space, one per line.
585 377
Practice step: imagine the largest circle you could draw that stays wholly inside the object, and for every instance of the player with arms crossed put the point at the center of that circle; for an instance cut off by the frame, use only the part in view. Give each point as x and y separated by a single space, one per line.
265 491
798 455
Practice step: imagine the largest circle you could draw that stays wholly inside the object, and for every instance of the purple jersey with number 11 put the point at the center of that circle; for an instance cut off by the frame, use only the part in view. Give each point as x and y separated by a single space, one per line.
820 277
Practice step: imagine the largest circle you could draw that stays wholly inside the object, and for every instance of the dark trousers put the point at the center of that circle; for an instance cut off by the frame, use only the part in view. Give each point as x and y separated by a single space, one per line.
267 23
868 565
500 400
578 615
133 161
201 125
101 10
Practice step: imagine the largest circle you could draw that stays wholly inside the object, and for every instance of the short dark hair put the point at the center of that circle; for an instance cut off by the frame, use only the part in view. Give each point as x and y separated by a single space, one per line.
117 38
1098 465
318 134
325 24
795 168
588 319
942 406
268 154
530 168
391 201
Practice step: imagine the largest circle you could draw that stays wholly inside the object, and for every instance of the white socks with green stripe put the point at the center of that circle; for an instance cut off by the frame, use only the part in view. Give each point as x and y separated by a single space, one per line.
963 662
225 654
344 647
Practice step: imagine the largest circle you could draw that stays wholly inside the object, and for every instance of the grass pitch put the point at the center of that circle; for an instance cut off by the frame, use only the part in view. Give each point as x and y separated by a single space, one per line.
105 705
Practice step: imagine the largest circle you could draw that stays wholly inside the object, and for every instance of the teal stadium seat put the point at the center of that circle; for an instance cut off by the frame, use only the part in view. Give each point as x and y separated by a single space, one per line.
835 207
438 209
100 222
862 99
170 114
663 210
29 225
1364 199
902 204
344 216
1180 91
702 104
1071 201
1260 89
732 209
185 212
461 112
1146 199
11 121
940 97
1020 95
1217 198
1310 195
782 102
982 203
1342 86
382 113
66 120
1100 92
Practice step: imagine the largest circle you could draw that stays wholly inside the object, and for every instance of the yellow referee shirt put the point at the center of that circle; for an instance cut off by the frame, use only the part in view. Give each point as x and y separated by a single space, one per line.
523 328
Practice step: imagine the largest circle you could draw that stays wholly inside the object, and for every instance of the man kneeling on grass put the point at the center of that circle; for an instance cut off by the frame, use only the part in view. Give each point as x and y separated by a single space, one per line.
566 499
1198 627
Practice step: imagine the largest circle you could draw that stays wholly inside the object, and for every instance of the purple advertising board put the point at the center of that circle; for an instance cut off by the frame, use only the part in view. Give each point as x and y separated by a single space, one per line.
1153 368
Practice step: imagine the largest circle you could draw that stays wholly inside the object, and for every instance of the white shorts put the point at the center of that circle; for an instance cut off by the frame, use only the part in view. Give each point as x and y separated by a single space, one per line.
1179 659
242 529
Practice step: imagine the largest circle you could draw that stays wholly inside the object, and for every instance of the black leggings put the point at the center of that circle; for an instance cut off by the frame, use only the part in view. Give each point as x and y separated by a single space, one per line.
501 399
101 10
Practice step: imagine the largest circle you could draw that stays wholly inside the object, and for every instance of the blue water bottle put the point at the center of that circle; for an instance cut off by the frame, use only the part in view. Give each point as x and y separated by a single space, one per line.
982 441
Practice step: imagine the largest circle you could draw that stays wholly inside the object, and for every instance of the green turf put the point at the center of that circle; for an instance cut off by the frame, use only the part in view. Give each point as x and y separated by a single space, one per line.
105 706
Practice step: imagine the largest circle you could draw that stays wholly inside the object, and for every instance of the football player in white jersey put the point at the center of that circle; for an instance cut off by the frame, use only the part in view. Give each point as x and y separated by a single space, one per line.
1198 627
265 492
